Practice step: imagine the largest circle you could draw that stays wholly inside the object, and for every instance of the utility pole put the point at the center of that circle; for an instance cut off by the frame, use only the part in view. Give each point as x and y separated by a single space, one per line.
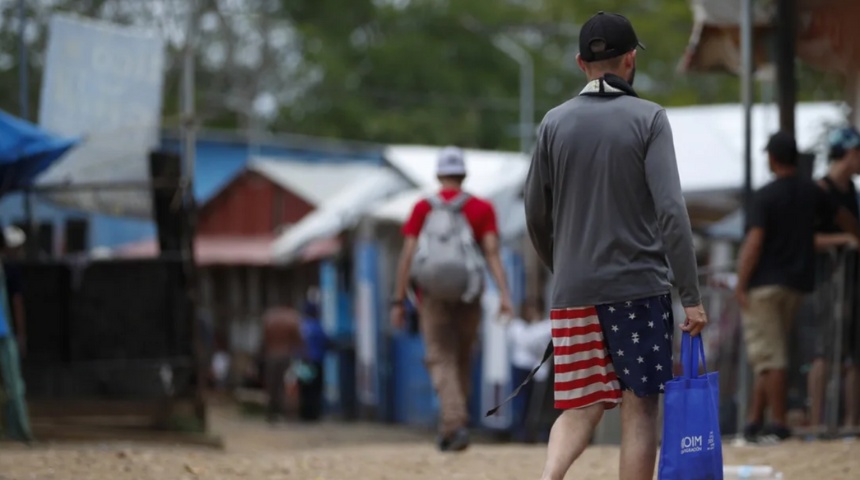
747 94
524 59
188 114
786 31
189 207
23 87
747 97
32 242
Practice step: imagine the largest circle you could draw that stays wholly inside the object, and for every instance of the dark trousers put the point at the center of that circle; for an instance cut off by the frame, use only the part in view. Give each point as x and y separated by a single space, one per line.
311 394
276 367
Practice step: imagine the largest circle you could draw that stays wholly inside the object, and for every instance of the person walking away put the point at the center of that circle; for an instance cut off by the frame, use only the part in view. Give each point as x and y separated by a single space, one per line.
528 338
312 380
282 343
449 238
606 215
776 267
839 183
221 363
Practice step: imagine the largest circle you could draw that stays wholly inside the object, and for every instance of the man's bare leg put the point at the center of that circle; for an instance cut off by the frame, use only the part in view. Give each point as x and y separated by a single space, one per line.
852 396
816 383
755 415
777 396
638 436
571 433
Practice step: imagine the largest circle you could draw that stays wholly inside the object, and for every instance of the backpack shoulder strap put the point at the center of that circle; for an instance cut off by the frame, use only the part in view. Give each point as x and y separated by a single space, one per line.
436 201
457 202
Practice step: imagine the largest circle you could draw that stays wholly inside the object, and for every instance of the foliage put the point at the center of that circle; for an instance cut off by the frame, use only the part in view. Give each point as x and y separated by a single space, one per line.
394 71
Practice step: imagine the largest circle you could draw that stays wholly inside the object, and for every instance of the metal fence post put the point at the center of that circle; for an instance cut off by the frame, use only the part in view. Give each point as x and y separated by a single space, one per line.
743 394
838 321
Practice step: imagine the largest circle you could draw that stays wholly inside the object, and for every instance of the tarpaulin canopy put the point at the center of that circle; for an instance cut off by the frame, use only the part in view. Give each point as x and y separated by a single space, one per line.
26 151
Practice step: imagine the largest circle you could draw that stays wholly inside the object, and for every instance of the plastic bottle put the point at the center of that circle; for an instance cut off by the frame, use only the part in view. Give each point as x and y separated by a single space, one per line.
752 472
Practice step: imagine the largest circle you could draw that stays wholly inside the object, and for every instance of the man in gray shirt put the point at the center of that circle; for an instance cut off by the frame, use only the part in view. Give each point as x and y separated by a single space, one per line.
605 213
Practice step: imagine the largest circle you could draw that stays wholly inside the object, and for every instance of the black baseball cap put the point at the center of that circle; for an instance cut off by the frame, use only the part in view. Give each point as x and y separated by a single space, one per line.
614 30
783 147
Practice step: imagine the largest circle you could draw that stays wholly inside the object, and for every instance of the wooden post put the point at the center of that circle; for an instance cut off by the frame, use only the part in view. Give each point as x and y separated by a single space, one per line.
786 51
853 96
189 142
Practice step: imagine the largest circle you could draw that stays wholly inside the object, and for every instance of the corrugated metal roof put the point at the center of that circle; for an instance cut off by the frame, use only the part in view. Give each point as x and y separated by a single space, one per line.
220 157
495 176
486 168
709 141
315 182
211 250
340 211
708 145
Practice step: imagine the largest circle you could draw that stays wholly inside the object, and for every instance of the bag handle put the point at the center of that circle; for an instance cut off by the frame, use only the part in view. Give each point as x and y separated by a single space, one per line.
692 351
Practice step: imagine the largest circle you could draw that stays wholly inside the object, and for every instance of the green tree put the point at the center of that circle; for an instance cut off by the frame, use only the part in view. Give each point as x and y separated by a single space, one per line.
392 71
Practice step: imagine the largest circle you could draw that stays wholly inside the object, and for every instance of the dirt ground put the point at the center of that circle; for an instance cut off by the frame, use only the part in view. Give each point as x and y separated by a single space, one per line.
364 452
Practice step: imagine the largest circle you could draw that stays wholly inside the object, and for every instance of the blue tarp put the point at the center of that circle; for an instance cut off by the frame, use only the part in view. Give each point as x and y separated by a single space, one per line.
26 151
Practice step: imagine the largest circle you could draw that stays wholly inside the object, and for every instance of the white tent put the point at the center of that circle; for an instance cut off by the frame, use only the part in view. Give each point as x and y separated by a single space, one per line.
708 144
316 183
496 176
709 141
389 193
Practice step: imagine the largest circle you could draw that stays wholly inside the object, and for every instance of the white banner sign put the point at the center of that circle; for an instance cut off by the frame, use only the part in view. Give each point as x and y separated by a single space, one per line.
103 82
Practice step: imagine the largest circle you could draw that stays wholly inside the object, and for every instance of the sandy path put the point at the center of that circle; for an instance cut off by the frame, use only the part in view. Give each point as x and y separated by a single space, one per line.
365 452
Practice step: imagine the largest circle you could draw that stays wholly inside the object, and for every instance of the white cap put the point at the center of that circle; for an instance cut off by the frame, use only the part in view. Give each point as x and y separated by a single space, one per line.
450 162
15 237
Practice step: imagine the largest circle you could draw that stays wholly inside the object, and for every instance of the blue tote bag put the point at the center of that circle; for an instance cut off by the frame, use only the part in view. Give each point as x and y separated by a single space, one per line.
692 449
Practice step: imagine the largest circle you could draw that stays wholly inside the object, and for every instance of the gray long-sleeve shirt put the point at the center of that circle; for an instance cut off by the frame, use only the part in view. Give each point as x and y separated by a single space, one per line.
603 202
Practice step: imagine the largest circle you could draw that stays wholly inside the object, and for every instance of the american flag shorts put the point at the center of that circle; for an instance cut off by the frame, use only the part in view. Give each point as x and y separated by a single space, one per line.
601 351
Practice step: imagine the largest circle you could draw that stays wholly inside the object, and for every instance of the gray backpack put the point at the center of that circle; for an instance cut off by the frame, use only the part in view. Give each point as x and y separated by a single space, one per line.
448 263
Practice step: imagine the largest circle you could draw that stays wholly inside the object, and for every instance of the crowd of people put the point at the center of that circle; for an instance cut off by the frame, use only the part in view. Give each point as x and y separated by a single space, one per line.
793 226
293 350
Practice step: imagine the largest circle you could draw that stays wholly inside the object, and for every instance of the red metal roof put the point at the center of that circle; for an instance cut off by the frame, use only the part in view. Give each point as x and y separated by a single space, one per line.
322 248
212 250
234 250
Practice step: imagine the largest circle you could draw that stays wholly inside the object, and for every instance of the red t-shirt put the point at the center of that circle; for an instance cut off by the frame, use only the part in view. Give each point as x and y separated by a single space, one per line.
478 212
